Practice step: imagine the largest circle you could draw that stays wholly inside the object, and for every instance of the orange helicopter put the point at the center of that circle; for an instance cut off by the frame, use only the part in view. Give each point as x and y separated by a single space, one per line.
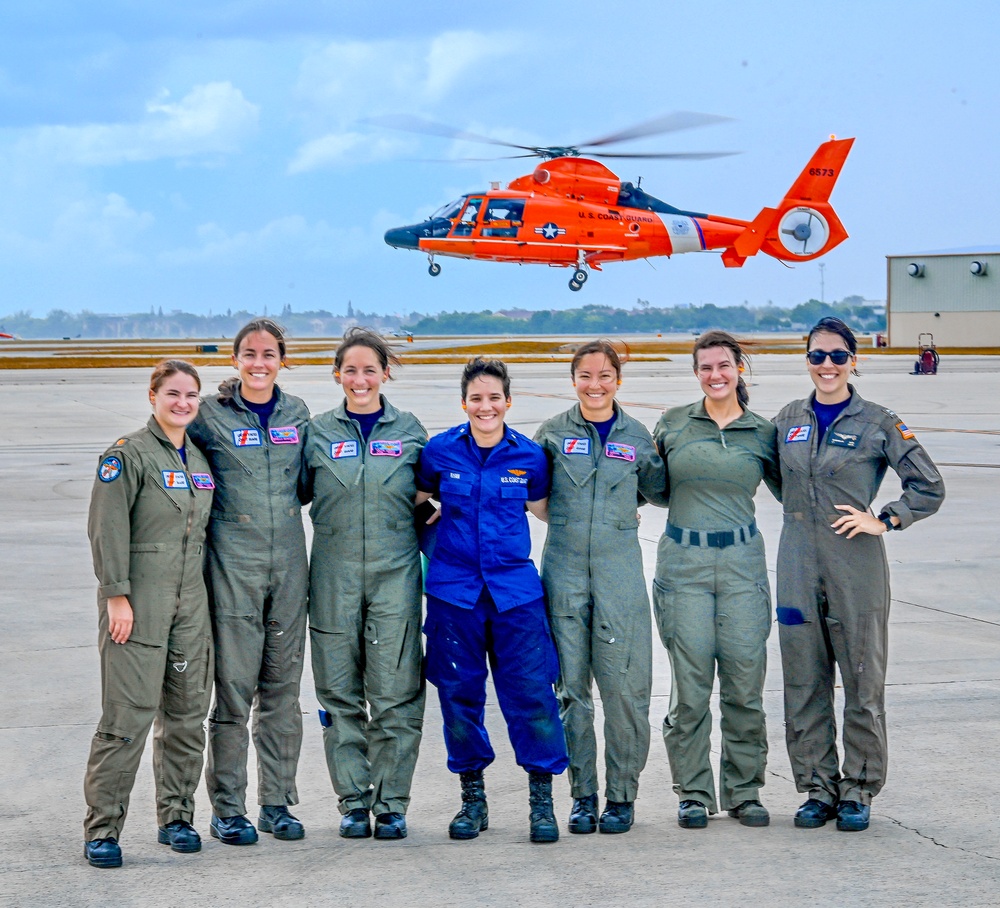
573 212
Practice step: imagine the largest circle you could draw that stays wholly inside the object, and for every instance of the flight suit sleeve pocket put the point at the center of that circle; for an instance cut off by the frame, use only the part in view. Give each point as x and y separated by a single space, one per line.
558 520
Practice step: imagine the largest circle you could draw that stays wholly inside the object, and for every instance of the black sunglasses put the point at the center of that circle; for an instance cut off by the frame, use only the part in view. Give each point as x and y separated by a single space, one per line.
837 357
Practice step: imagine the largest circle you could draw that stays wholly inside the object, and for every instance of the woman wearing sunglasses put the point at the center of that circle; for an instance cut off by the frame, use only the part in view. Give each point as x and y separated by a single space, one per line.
833 579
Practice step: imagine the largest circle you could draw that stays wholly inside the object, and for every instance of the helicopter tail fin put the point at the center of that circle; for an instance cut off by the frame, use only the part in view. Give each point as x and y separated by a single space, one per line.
804 225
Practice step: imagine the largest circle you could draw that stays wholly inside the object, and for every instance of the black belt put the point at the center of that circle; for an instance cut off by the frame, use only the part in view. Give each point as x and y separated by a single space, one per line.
712 540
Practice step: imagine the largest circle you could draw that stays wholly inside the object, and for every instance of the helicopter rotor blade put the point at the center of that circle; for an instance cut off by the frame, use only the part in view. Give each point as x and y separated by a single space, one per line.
673 122
408 123
668 155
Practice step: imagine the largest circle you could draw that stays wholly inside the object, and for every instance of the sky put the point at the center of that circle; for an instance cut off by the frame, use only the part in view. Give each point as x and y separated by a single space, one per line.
211 155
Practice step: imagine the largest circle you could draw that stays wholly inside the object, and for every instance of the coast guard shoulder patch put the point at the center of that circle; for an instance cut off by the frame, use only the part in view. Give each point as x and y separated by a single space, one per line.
110 469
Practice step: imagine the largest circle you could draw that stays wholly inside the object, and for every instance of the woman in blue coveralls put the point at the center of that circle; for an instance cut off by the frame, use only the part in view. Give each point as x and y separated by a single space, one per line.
485 601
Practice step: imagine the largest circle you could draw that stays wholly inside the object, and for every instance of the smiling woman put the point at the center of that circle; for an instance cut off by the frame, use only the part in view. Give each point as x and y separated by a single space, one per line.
485 603
710 593
148 513
254 434
833 577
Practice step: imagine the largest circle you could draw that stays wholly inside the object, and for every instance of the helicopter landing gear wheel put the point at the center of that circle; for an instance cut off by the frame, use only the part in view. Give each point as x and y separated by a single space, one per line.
580 276
574 284
433 269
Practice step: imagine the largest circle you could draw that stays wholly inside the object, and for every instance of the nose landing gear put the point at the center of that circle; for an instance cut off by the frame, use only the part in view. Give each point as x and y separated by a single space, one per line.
433 269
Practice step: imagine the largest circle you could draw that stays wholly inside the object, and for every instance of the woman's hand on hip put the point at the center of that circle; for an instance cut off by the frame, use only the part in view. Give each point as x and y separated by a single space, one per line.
855 521
120 618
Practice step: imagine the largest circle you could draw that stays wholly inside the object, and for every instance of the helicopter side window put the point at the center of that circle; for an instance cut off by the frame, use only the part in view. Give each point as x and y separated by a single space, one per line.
467 223
503 217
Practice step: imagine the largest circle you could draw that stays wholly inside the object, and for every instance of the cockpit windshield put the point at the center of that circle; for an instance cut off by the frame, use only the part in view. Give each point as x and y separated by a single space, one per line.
450 210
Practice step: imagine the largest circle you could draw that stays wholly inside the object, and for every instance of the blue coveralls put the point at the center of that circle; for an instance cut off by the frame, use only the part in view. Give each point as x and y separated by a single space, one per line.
485 601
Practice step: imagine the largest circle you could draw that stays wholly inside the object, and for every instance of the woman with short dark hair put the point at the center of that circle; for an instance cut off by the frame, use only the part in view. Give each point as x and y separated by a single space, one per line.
485 603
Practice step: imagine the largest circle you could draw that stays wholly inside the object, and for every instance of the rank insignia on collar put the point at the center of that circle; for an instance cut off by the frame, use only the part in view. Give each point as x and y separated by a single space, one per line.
798 433
576 446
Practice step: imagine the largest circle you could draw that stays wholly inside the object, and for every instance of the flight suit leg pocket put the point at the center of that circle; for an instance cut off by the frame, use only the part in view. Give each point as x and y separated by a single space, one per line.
663 610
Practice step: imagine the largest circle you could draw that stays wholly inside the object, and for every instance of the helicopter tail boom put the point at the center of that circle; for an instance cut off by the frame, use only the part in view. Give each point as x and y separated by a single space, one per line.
804 225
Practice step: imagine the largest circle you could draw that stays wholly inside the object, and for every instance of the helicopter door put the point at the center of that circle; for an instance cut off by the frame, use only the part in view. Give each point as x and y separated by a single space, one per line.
469 218
503 217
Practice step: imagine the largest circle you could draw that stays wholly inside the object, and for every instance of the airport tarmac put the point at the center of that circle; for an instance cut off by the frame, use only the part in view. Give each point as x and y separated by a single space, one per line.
935 831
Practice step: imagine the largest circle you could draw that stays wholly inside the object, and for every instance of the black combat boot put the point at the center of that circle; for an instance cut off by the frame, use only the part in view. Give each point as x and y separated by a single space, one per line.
474 817
542 817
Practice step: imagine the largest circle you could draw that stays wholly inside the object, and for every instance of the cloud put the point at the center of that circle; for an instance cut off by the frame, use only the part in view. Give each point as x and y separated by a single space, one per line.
345 82
285 239
211 119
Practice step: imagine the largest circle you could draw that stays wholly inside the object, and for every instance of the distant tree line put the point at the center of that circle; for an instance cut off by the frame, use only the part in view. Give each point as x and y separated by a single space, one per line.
644 319
157 324
641 319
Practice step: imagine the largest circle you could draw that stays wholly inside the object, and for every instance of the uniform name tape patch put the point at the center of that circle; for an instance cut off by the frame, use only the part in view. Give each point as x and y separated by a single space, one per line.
174 479
341 449
247 438
798 433
843 440
576 446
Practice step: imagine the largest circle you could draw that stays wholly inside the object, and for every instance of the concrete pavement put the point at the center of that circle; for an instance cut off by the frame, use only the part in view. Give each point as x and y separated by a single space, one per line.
935 833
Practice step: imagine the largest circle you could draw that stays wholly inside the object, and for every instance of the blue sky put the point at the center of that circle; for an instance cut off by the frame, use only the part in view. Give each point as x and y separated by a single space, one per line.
211 155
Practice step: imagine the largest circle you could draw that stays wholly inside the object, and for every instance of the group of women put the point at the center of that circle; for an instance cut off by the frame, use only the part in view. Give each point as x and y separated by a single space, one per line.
221 482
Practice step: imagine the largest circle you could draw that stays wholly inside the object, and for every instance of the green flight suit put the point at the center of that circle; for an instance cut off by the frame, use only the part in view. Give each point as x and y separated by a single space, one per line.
148 514
833 592
258 582
712 601
365 604
596 593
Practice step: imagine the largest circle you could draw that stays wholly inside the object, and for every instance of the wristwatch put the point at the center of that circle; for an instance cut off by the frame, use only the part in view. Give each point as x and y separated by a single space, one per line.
887 520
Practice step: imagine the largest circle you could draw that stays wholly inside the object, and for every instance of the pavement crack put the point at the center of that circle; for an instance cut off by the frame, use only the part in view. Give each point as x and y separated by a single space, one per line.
933 841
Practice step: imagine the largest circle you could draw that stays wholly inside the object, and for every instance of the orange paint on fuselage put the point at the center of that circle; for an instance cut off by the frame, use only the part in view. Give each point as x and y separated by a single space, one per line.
573 211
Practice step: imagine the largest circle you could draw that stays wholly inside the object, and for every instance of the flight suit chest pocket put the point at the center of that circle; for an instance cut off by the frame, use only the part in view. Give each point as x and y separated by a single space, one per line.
510 492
